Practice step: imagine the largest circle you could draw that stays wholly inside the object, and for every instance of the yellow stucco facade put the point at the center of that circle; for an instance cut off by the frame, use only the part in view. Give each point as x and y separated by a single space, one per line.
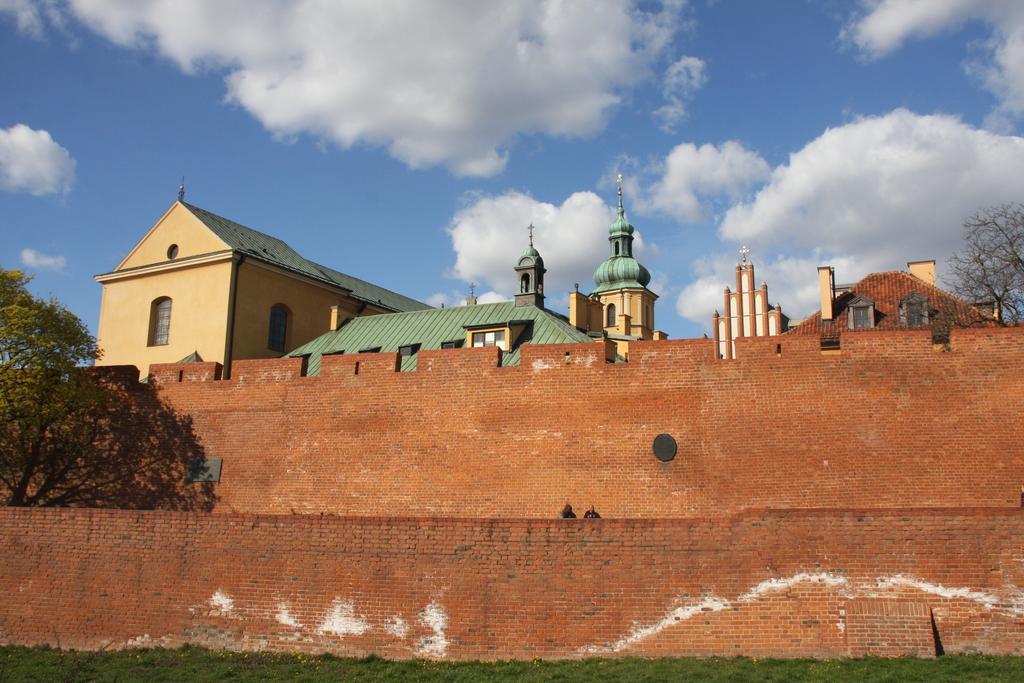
261 286
220 300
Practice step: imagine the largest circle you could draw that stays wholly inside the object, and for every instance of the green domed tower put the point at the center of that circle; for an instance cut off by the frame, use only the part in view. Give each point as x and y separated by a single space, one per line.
621 283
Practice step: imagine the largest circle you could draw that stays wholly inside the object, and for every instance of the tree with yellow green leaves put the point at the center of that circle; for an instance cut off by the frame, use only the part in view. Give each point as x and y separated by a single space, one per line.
70 438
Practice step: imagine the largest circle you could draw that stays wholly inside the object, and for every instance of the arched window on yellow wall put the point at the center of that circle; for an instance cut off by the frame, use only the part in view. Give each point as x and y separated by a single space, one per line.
160 321
611 316
277 337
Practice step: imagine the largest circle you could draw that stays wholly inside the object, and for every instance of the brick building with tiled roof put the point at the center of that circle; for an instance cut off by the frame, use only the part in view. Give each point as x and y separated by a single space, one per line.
891 300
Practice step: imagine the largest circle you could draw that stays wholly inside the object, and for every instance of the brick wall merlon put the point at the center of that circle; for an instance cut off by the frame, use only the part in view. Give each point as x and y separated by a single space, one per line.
348 364
697 351
267 370
116 375
458 361
173 373
986 340
549 356
888 343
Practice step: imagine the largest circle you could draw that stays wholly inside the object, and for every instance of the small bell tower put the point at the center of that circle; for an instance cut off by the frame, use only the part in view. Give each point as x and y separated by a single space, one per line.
530 271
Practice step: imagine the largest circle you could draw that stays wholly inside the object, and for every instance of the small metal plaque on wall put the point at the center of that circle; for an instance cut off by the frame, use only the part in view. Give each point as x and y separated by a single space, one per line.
204 469
664 447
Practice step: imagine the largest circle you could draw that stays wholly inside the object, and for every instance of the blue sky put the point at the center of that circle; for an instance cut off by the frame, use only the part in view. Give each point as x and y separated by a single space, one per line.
411 143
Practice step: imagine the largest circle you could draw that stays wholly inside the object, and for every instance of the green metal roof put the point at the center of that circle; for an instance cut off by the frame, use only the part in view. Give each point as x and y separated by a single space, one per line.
433 327
272 250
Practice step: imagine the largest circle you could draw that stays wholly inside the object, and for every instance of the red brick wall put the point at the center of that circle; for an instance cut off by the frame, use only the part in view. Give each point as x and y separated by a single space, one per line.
797 583
888 422
887 628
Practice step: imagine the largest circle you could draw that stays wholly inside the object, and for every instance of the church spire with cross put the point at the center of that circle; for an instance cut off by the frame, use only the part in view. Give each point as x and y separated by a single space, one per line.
530 271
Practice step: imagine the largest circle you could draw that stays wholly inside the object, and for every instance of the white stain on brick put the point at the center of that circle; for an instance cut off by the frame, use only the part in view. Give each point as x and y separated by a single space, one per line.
222 601
900 580
396 626
774 585
542 365
283 616
1012 602
435 618
341 620
681 613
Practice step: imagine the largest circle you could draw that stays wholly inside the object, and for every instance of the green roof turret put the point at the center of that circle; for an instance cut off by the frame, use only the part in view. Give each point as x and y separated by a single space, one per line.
530 271
620 270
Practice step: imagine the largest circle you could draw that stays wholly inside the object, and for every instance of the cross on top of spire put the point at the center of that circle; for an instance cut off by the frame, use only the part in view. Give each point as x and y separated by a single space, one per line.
181 190
618 182
472 289
529 229
744 250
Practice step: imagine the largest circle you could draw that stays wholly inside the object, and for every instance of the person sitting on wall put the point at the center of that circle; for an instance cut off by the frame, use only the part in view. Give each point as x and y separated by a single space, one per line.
591 514
567 512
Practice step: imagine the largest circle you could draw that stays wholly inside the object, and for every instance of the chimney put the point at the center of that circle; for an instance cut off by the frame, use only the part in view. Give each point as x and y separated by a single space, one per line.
579 311
827 289
923 270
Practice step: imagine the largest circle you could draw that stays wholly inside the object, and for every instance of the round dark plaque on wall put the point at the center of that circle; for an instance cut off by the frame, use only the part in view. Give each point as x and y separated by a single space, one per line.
664 447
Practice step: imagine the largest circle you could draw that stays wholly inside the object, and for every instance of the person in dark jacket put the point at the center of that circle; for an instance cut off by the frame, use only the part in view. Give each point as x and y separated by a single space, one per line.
567 512
591 514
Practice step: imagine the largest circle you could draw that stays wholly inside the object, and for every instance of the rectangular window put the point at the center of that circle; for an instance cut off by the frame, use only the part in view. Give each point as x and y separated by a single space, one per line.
451 344
408 350
496 338
861 317
373 349
915 314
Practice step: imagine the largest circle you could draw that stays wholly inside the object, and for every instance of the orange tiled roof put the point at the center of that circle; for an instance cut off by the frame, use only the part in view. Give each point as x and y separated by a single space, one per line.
887 290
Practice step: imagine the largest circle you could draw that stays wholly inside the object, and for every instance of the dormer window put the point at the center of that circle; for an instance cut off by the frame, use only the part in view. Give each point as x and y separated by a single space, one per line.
860 314
491 338
408 350
914 310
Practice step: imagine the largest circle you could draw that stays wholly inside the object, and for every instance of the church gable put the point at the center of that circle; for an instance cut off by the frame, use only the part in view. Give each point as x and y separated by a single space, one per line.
178 234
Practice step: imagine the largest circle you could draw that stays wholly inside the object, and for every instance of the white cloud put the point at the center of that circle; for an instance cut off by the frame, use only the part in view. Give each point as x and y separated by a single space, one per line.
30 16
443 82
682 80
885 189
36 259
864 197
31 161
489 234
693 177
886 25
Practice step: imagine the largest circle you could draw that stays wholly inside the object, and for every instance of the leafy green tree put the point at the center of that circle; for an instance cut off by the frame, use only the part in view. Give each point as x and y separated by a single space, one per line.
71 435
48 403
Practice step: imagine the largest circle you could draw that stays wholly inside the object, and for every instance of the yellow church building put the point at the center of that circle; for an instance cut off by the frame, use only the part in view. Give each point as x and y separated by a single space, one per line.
199 286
